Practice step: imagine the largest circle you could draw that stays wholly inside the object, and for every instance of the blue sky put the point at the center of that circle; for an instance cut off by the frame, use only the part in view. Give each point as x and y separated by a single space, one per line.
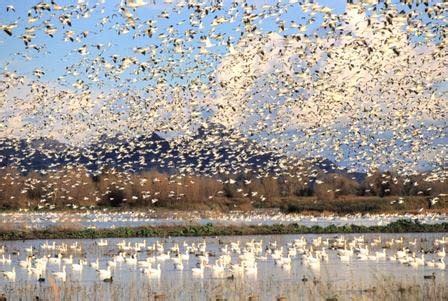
57 54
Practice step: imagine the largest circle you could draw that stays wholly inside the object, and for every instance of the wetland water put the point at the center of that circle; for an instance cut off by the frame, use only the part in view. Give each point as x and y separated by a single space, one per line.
104 219
234 268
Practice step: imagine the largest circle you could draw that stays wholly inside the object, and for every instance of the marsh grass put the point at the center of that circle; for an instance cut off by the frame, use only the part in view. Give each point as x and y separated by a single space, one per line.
383 288
74 232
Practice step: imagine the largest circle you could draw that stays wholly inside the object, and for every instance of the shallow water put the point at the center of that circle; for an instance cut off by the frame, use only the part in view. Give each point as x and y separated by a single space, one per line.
355 279
105 219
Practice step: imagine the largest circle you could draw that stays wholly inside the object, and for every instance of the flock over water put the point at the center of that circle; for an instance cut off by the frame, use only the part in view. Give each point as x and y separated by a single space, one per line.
110 219
290 259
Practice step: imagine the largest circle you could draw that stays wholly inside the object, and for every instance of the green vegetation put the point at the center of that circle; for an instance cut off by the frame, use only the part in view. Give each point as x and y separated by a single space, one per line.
400 226
357 204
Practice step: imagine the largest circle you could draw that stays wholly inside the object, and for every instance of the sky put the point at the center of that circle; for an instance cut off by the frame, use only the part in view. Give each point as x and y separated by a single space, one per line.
57 54
350 106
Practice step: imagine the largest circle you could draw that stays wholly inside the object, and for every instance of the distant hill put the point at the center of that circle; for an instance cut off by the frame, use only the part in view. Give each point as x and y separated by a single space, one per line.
212 150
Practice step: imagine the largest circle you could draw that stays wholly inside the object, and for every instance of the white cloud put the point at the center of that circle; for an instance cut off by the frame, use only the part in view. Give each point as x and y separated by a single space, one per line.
338 91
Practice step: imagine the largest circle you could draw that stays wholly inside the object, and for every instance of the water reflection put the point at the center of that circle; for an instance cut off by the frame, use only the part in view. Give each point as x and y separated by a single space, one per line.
358 277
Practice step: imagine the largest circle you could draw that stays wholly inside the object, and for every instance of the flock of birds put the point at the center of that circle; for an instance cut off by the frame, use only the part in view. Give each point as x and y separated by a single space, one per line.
244 87
226 260
110 219
363 83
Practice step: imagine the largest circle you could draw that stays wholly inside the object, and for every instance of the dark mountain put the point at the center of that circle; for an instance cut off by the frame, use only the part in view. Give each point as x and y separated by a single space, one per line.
32 154
217 148
212 150
135 154
329 166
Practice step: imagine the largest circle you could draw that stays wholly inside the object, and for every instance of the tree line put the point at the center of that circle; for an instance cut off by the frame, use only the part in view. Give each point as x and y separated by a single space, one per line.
75 186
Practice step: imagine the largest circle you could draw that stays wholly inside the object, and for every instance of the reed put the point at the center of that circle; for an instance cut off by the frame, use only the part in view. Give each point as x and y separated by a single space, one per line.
383 288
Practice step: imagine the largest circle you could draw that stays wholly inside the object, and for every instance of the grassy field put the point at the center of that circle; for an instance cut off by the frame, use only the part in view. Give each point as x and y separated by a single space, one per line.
357 204
304 205
341 205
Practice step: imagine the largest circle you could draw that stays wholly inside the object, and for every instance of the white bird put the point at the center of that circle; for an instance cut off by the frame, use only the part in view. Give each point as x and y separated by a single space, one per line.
153 272
136 3
178 265
198 271
105 273
60 275
78 266
95 265
440 264
431 263
10 275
